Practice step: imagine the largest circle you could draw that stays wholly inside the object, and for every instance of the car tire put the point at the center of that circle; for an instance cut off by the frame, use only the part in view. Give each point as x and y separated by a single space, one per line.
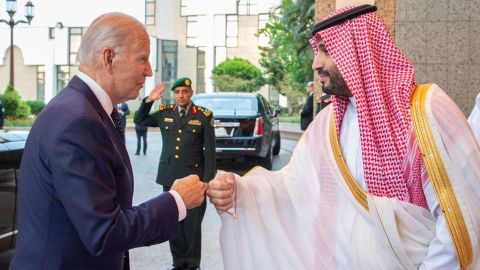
276 147
267 161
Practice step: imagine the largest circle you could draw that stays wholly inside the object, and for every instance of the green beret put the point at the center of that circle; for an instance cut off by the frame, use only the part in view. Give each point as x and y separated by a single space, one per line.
182 81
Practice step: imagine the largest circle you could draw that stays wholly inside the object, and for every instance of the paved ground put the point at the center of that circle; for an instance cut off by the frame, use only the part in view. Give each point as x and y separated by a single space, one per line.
145 169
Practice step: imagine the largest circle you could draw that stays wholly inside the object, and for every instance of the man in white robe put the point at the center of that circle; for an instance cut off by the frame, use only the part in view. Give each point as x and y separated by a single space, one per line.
385 178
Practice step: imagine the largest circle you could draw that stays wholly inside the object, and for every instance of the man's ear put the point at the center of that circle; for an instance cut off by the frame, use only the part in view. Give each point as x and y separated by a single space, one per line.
108 59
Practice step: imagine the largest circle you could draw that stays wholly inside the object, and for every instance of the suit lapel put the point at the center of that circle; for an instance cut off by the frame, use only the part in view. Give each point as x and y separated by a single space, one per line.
118 142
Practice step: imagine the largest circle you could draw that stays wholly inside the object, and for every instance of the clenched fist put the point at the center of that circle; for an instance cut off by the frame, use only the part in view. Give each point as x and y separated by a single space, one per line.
221 190
191 189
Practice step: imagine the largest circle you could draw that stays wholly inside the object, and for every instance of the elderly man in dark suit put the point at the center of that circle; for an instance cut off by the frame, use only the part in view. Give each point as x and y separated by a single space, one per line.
77 183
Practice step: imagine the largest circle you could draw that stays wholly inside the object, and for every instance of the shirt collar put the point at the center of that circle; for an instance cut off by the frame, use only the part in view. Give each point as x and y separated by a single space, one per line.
187 109
98 91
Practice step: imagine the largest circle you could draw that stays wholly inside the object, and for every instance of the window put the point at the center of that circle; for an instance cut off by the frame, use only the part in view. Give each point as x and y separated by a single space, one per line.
41 83
150 12
169 60
232 31
262 22
75 38
192 31
247 7
63 76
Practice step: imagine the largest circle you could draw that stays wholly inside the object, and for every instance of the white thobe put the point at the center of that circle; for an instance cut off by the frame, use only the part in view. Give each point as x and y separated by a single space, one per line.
441 253
306 216
474 119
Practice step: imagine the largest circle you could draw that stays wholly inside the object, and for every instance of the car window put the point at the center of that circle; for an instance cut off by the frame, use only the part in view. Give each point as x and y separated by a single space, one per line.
266 105
228 105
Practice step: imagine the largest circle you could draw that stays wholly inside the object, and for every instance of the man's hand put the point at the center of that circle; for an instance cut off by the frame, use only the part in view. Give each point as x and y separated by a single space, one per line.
191 189
221 190
157 92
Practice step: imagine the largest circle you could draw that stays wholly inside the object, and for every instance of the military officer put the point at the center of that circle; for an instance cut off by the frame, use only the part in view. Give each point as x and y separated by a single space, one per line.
188 148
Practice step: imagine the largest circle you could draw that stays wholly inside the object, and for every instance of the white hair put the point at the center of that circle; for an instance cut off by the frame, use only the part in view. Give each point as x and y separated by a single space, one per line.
109 30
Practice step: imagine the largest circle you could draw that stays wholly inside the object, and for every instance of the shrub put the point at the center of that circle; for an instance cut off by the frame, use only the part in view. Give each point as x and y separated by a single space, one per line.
36 106
11 101
23 110
238 75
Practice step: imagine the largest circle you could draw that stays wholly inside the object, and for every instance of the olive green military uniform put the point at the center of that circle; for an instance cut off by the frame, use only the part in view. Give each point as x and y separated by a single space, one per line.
188 148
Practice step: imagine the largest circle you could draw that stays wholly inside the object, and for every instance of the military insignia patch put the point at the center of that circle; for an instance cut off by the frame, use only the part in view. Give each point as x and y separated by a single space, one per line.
168 120
205 111
187 82
194 122
212 122
163 107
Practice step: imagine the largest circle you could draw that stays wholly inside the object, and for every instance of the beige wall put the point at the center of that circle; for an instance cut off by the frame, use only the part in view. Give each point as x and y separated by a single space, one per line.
25 76
442 39
247 41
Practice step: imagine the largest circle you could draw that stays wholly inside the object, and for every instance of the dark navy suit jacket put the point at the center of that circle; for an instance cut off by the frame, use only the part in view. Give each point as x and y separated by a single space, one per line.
75 191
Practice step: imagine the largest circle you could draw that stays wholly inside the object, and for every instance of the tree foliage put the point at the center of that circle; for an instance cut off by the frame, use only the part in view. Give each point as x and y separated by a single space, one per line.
287 61
13 104
238 75
36 106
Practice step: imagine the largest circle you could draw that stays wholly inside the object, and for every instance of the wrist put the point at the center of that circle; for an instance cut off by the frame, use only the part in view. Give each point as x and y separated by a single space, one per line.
148 99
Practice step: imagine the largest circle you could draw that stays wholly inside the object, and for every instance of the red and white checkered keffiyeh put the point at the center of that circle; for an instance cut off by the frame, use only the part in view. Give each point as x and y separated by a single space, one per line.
382 81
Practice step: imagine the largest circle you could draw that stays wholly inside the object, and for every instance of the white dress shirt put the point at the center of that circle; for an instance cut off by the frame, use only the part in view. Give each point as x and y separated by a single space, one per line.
441 253
107 105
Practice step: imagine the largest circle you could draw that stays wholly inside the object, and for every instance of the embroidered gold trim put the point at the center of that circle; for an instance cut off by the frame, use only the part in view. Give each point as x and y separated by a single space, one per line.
439 178
357 192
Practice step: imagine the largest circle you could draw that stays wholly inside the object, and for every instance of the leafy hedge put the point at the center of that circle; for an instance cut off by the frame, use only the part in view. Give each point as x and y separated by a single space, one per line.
36 106
237 75
13 104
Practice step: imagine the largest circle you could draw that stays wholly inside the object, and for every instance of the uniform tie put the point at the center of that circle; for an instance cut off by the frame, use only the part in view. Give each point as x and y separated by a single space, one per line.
117 121
182 113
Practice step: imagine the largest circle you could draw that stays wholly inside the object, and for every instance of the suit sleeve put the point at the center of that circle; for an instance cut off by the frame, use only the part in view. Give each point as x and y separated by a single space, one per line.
209 153
85 182
308 107
142 116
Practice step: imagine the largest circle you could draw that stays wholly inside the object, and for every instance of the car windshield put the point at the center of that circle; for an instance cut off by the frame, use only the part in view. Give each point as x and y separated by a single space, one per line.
228 105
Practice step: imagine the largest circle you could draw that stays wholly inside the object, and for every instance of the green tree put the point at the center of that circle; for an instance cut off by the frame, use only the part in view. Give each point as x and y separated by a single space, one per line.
237 75
13 104
288 58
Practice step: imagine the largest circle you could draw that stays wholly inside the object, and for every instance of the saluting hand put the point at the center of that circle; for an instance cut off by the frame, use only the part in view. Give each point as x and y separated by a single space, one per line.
221 190
157 92
191 189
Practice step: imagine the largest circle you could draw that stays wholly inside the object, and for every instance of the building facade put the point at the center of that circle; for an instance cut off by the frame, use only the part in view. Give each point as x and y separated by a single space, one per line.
188 38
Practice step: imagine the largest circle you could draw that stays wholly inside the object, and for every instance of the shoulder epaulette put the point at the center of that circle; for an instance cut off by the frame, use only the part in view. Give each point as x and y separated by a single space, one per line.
205 111
163 107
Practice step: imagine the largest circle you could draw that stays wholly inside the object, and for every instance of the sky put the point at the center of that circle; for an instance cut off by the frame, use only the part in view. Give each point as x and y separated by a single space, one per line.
74 12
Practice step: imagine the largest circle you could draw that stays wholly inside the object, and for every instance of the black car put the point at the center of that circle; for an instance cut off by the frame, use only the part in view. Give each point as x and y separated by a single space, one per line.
245 126
11 151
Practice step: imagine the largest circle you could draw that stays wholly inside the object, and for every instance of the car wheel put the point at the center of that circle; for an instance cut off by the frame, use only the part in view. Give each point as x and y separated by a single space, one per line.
276 146
267 161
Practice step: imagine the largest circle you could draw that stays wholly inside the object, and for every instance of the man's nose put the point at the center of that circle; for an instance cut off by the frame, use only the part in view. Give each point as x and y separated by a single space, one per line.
148 70
317 62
